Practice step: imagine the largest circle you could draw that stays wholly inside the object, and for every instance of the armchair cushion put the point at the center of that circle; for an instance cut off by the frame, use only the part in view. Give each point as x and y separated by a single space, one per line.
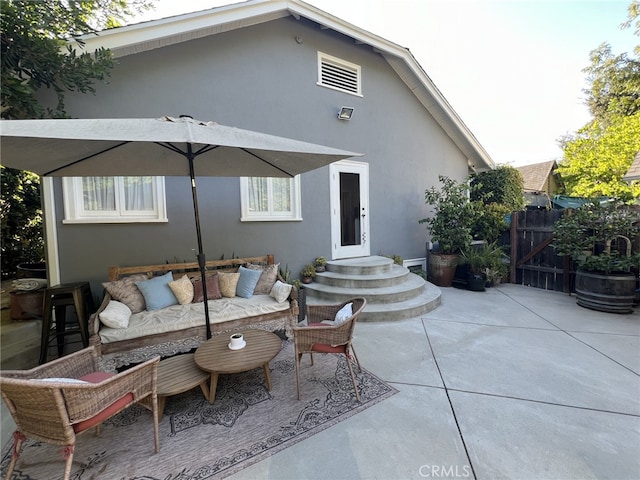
324 348
97 377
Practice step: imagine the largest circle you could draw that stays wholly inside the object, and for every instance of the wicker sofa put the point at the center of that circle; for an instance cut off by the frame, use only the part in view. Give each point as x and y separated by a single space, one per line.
181 327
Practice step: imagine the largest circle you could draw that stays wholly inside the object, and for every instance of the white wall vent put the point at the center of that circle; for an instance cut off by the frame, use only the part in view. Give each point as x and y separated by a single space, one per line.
338 74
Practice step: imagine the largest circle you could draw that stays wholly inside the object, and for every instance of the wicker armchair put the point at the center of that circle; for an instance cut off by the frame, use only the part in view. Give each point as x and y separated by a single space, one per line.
56 410
321 338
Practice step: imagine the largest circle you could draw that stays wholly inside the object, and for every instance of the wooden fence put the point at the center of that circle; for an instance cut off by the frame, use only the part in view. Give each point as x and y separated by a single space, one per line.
533 259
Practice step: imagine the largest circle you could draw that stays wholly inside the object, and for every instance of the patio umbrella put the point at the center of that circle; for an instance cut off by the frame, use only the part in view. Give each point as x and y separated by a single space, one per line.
157 146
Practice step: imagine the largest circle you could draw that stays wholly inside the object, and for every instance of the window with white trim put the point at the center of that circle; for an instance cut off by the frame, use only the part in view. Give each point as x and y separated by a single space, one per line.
270 199
339 74
114 199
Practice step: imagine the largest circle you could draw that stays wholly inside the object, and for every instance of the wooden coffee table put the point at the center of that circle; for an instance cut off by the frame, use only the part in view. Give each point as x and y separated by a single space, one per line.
216 357
177 375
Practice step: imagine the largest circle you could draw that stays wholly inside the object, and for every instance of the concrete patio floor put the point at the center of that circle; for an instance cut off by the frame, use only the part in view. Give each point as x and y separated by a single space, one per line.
514 383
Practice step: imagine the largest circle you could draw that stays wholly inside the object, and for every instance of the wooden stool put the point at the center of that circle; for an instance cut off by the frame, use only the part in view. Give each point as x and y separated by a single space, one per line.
77 295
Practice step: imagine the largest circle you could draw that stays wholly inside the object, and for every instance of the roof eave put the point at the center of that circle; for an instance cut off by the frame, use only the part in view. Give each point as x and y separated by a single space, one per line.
154 34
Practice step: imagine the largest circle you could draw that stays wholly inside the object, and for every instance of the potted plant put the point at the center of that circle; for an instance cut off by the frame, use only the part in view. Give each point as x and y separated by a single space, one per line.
600 240
481 260
320 264
308 273
450 226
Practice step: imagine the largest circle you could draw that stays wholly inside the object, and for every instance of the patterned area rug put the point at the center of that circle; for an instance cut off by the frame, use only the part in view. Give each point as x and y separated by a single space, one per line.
245 424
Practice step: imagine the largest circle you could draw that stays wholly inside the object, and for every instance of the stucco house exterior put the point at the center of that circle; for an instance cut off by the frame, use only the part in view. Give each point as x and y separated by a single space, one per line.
281 67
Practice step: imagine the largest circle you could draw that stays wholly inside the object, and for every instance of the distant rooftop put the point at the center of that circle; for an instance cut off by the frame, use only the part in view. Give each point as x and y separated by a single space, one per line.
536 176
634 170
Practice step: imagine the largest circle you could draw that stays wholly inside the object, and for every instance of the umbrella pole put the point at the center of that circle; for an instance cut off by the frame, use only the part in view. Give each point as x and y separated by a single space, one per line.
202 263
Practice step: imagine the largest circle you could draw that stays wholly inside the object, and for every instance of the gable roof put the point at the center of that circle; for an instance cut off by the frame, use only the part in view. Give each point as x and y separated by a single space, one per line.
536 176
634 170
137 38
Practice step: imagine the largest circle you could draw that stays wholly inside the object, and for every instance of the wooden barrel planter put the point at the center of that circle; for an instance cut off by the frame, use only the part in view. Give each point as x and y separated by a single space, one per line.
612 293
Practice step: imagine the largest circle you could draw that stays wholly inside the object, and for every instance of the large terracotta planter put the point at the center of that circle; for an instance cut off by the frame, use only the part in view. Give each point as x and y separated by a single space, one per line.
442 268
612 293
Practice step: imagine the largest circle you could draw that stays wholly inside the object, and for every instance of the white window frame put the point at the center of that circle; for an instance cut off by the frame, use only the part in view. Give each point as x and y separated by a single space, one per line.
294 215
74 212
339 63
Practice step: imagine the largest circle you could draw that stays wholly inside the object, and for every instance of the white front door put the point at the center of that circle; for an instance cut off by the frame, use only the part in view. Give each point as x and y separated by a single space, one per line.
350 209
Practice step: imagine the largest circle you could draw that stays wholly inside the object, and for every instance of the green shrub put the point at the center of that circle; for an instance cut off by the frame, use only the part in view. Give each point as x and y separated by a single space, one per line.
503 185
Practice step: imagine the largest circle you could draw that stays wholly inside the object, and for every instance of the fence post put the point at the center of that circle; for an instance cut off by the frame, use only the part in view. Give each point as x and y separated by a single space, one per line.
514 247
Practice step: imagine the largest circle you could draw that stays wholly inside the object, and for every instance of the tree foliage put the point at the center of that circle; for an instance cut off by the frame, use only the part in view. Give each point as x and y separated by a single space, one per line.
35 55
599 156
21 215
453 215
614 84
633 19
503 185
495 193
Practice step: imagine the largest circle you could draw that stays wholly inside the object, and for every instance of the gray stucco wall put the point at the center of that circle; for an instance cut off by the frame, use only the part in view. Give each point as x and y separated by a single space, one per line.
260 78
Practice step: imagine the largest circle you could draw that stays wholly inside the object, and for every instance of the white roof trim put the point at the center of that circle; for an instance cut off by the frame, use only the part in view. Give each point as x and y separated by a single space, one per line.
145 36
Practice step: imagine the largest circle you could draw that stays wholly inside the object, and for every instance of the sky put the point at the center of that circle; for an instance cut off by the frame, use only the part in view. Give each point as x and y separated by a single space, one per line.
511 69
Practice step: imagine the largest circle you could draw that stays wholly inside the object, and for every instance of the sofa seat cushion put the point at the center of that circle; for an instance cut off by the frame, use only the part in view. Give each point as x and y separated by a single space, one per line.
179 317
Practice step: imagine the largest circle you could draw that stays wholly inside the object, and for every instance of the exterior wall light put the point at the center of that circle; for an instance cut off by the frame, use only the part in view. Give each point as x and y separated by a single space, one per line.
345 113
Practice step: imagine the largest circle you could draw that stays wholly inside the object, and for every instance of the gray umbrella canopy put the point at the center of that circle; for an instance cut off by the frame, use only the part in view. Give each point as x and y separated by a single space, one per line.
160 147
148 146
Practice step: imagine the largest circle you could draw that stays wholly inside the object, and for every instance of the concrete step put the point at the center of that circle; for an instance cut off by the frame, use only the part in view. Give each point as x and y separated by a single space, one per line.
373 265
426 301
392 292
411 287
396 275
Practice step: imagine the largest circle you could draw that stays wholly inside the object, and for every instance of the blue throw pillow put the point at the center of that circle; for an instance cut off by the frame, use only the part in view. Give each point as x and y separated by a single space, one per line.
247 282
157 292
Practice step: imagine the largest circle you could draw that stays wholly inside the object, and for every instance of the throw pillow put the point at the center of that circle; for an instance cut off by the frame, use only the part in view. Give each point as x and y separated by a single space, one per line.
115 315
213 289
267 279
60 380
344 313
127 292
157 293
280 291
182 289
247 282
228 283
